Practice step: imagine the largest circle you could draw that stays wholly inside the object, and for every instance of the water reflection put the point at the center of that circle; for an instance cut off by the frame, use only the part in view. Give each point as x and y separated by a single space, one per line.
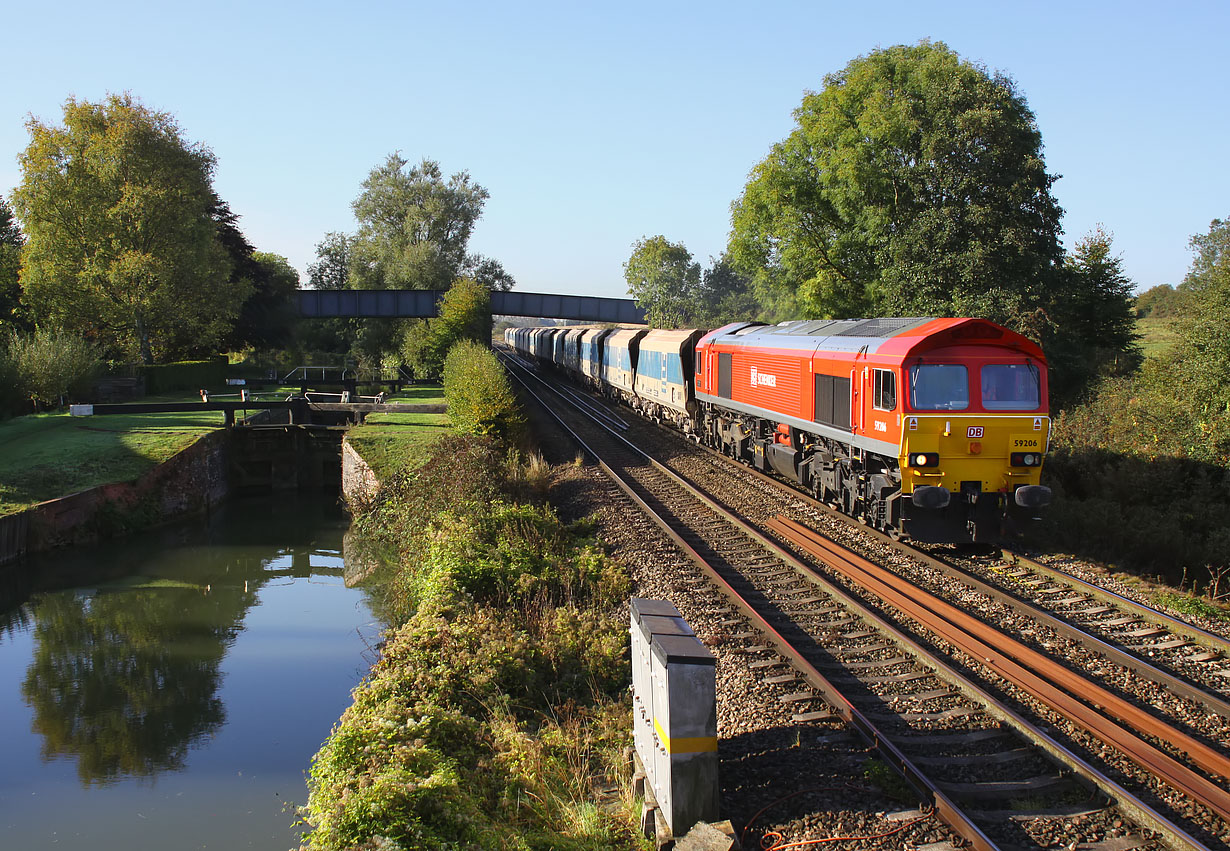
125 670
127 681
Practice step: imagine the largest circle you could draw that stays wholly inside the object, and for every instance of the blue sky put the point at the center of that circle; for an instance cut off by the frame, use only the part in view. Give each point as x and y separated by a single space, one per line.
593 125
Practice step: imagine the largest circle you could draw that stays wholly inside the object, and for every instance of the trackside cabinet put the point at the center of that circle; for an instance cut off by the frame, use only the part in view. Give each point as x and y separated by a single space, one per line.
648 616
685 760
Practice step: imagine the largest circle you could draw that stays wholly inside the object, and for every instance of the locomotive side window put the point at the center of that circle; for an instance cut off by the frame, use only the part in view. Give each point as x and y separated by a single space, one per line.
939 387
1010 387
885 397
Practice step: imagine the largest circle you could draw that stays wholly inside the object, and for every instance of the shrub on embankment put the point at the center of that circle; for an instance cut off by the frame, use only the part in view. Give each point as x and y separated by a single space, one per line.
45 367
480 398
500 695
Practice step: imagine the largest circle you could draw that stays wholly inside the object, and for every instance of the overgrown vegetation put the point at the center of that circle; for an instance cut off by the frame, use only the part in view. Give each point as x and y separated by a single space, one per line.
500 696
1142 471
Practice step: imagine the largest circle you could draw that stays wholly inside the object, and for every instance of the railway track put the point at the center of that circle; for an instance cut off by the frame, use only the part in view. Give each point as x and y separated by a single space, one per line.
833 657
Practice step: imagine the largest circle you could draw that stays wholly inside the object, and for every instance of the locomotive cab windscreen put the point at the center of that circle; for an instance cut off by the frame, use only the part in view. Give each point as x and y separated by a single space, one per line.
939 387
1010 387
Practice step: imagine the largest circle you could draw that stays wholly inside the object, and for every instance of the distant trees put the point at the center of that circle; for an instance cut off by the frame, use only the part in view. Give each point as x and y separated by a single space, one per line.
675 292
913 184
465 314
414 232
269 314
1087 324
121 242
664 280
331 271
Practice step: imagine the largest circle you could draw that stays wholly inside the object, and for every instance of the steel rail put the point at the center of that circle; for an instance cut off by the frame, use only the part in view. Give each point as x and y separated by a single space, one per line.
1131 804
1017 664
1138 665
1169 622
944 807
1115 653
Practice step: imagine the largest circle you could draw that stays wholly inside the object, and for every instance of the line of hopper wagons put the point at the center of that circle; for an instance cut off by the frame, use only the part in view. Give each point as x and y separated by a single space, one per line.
929 429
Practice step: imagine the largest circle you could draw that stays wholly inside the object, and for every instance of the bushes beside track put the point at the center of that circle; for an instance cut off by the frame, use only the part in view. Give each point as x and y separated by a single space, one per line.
1140 482
501 692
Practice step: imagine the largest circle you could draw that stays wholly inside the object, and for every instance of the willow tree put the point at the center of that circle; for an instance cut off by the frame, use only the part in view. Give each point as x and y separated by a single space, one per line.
120 242
414 226
913 183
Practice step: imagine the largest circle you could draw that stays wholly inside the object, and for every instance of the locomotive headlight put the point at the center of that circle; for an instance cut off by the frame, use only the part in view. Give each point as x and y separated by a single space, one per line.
924 459
1025 459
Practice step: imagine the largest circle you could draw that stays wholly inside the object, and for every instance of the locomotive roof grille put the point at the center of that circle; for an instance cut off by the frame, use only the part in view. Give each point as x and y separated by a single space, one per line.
882 327
870 328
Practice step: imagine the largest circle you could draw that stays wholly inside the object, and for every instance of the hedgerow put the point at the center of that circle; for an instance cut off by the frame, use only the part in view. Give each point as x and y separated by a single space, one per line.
1140 482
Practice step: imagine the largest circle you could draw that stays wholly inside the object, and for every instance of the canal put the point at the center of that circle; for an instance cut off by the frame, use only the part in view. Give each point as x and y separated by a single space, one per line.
169 692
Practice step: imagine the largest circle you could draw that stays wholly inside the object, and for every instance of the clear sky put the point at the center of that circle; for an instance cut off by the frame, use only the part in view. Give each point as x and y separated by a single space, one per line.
593 125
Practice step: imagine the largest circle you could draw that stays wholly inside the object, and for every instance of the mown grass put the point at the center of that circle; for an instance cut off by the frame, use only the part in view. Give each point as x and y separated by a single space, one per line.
45 456
391 443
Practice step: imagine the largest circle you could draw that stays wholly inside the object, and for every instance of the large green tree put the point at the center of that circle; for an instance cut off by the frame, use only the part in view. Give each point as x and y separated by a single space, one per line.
664 280
913 184
116 205
414 226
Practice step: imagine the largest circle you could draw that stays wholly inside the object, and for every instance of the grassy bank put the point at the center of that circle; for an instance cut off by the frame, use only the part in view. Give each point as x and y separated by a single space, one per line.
500 699
390 442
44 456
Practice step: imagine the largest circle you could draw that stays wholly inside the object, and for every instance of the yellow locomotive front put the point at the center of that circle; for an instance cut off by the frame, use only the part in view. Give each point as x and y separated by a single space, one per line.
974 431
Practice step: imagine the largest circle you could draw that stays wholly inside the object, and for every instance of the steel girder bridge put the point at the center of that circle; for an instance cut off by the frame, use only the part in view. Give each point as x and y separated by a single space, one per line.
422 304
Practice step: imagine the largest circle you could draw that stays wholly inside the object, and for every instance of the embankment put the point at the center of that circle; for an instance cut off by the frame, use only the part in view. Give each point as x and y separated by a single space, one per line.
192 481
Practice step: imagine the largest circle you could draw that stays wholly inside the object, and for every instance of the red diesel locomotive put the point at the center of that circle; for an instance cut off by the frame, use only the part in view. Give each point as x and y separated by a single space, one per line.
931 429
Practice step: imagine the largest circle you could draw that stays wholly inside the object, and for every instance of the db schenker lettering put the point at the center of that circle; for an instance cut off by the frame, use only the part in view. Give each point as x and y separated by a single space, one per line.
767 379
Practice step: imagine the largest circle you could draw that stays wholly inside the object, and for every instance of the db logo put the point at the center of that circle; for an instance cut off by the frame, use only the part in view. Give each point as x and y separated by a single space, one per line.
974 431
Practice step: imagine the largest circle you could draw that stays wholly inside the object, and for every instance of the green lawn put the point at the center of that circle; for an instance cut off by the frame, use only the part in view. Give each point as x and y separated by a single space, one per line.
44 456
389 442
